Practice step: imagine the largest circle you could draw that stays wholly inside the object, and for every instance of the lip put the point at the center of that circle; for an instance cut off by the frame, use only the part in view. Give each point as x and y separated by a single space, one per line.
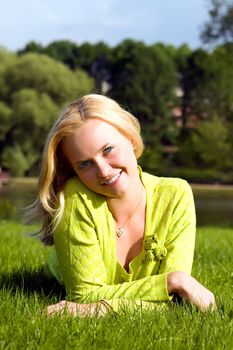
112 180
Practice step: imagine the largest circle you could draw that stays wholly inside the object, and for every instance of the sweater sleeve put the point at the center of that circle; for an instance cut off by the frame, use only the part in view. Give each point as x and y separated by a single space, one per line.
82 266
180 239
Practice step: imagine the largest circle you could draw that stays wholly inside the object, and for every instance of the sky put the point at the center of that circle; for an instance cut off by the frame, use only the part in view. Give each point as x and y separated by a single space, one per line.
172 22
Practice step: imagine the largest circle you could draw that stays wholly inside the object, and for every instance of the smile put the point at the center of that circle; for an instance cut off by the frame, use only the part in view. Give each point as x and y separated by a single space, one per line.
112 180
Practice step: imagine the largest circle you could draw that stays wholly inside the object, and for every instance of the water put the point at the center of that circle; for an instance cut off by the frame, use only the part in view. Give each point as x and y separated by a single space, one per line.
14 198
214 211
213 207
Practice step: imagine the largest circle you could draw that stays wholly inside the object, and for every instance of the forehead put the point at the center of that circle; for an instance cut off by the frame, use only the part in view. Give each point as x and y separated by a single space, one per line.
91 137
97 127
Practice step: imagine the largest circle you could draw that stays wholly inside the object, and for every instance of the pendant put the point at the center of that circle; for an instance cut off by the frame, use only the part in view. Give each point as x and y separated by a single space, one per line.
120 232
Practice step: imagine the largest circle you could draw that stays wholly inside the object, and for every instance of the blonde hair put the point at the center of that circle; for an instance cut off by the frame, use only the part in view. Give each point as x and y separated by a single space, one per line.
55 169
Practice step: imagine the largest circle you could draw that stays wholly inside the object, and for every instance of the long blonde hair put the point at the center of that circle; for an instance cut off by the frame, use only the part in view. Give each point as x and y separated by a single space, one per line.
55 169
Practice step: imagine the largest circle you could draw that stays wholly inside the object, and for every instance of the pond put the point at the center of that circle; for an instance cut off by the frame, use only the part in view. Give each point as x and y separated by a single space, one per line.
214 204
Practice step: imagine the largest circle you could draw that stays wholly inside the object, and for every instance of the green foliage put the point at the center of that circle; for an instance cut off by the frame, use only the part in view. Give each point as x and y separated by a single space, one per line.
45 75
5 115
206 83
14 159
218 86
88 53
85 82
171 91
144 81
151 159
26 291
208 146
212 145
35 109
23 135
6 60
95 59
33 88
8 210
63 50
32 46
219 28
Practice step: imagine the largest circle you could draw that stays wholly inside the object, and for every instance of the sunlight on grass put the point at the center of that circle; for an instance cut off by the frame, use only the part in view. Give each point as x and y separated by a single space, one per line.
26 291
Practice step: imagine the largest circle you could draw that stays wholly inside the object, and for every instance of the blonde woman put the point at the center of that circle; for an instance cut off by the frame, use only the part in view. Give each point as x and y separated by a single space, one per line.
122 237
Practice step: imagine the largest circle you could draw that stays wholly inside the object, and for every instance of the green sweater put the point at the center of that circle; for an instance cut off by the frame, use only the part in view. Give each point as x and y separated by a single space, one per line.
84 258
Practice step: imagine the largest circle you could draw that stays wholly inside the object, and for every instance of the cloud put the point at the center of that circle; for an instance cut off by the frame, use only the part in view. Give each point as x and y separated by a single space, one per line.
107 20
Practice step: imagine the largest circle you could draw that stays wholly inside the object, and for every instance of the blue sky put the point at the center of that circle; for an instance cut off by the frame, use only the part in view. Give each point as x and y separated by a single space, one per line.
169 21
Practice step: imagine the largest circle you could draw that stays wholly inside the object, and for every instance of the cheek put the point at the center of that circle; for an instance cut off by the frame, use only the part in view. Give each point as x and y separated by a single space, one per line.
126 154
127 160
85 177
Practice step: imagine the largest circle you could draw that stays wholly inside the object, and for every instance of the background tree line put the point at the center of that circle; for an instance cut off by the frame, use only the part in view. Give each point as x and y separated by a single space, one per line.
182 97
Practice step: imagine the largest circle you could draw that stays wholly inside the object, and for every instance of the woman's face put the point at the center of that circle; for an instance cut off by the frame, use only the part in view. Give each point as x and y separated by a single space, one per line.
102 158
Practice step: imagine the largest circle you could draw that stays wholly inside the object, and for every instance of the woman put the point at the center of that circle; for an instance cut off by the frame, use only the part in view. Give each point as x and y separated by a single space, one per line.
122 237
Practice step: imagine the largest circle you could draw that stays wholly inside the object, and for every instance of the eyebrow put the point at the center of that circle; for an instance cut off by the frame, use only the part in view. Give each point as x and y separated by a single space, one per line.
84 160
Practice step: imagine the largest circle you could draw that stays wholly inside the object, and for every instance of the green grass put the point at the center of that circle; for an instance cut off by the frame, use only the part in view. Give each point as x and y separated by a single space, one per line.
26 291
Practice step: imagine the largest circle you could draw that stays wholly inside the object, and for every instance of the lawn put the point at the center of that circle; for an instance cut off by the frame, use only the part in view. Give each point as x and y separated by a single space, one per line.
25 292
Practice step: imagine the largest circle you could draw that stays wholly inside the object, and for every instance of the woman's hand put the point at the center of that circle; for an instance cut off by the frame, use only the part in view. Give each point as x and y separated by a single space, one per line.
190 289
82 310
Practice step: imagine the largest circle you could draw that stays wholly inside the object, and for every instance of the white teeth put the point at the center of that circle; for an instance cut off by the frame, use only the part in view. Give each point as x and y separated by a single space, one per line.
113 179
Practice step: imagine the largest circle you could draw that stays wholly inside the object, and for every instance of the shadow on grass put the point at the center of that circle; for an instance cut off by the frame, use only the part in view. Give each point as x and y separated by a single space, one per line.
32 282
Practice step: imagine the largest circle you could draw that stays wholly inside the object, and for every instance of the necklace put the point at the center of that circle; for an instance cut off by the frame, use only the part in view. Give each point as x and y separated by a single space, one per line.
120 230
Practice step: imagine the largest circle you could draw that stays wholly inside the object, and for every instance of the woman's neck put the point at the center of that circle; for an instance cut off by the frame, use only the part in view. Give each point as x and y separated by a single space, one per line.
122 207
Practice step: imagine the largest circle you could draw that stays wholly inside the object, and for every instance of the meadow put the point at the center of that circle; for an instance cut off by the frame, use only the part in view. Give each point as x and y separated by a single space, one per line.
26 291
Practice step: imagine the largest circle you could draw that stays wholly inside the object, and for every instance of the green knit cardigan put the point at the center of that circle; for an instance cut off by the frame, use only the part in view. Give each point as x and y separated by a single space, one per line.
84 257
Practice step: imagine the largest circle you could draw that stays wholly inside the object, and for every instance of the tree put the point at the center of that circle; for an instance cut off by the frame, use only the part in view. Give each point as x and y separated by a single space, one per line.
14 159
7 59
28 121
32 46
208 147
215 90
34 88
219 28
206 82
64 51
45 75
96 59
190 72
144 81
5 116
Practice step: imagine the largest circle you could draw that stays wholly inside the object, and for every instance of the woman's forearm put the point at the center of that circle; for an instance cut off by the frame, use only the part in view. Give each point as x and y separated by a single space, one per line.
190 289
97 309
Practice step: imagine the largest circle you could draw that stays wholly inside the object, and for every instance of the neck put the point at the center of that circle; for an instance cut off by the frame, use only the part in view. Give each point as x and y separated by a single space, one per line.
122 207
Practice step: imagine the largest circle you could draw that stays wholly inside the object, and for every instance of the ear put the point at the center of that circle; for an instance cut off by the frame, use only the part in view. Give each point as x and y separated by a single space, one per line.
134 144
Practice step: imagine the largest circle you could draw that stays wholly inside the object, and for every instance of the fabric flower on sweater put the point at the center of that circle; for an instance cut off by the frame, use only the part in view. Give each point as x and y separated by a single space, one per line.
148 256
160 252
153 249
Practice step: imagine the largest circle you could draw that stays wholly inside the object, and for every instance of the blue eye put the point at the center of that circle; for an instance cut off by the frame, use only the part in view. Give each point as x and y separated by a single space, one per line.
84 164
108 149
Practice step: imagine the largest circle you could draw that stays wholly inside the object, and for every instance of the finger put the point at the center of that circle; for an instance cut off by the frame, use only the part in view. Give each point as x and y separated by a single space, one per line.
206 304
56 308
72 309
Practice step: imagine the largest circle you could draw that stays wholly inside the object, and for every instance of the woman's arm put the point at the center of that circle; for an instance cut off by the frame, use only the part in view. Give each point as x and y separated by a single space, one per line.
180 245
188 288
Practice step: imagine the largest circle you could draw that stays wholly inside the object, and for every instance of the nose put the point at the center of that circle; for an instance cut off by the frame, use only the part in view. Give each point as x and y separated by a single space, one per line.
103 168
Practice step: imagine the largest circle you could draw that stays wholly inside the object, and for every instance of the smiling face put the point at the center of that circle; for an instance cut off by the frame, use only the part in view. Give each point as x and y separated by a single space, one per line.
102 158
